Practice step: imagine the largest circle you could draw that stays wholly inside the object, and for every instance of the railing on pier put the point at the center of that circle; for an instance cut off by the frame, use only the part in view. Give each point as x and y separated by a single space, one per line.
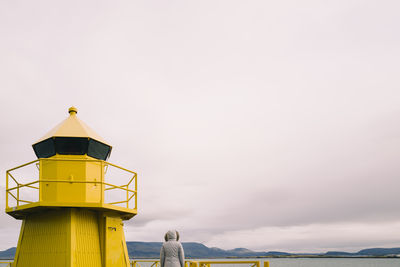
188 263
150 263
208 263
200 263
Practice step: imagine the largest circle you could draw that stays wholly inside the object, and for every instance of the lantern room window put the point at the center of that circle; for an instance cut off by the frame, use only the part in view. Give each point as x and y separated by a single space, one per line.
45 149
98 150
72 146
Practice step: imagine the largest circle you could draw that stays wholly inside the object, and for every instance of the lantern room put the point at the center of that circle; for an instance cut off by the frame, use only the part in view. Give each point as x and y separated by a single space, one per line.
72 137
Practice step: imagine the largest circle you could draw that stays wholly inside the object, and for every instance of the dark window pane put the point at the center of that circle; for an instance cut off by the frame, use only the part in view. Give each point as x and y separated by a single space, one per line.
71 145
98 150
45 148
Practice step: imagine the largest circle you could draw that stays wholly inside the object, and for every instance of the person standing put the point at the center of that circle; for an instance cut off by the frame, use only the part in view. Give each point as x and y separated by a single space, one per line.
171 254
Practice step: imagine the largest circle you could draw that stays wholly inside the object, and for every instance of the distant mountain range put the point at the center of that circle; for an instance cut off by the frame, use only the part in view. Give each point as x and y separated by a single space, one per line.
192 250
198 250
8 254
367 252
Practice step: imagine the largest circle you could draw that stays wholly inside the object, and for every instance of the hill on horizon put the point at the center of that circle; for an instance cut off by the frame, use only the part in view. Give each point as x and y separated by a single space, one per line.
138 249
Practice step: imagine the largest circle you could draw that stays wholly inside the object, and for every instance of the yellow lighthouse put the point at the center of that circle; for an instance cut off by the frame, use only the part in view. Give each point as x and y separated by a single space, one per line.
71 201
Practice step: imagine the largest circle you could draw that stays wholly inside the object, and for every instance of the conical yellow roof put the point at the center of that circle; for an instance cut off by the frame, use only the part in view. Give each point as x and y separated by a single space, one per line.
72 127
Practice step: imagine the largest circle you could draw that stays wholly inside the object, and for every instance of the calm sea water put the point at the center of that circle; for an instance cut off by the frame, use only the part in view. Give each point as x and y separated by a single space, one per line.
312 262
334 262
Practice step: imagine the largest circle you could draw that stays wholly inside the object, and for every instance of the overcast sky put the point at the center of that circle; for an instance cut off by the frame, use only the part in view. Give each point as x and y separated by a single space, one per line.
270 125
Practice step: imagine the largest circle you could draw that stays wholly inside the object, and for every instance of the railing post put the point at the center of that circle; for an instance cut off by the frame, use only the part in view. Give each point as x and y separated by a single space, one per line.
102 184
7 190
17 195
136 191
40 178
266 263
127 197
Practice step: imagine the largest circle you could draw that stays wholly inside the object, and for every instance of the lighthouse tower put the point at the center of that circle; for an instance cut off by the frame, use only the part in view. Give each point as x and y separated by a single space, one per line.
73 215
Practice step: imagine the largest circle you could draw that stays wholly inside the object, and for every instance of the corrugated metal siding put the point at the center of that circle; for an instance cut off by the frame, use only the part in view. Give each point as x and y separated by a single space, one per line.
44 241
71 237
87 249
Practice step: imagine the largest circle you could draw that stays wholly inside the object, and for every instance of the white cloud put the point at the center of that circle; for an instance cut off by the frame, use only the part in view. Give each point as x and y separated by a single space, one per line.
313 237
266 116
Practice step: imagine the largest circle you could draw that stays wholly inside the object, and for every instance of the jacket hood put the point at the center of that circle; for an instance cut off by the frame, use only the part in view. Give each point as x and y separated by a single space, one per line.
171 235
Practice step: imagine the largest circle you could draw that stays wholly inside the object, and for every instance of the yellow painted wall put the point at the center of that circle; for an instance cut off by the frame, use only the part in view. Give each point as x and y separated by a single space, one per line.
71 168
71 237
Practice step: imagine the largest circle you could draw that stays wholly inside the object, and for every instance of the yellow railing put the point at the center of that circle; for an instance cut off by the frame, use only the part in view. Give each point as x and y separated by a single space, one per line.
5 264
15 191
137 263
208 263
201 263
189 263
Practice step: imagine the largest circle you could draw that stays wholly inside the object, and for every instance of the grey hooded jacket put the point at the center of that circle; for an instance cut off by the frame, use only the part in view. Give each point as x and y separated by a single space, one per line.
171 254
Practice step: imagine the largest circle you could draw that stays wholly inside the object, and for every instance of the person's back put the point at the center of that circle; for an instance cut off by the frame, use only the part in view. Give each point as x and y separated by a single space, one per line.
171 254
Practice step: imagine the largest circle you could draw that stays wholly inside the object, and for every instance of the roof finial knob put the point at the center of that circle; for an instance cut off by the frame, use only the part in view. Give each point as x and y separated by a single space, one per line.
72 110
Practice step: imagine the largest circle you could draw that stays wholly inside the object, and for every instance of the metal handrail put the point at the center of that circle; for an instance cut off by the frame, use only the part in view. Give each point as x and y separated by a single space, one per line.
130 193
136 263
201 263
208 263
188 263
